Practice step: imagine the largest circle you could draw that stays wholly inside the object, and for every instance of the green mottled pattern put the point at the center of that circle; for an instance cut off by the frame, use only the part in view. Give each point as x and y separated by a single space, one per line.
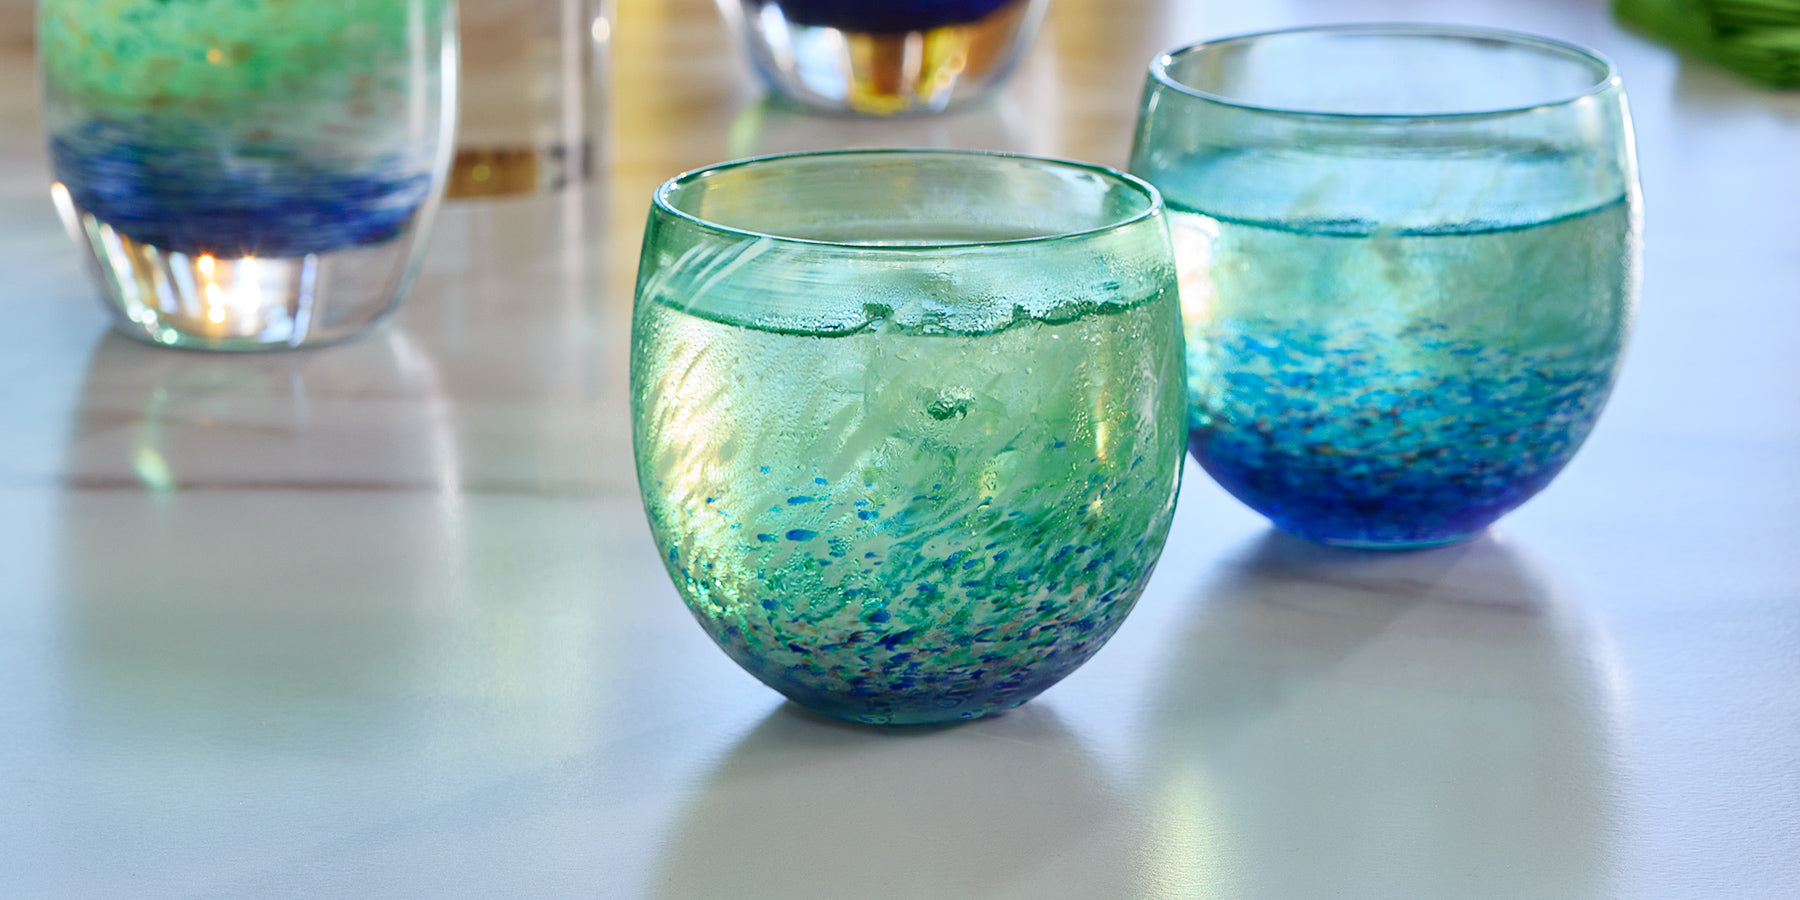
897 526
117 57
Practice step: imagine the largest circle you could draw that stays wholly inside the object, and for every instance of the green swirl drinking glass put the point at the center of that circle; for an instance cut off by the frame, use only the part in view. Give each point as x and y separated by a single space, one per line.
1409 263
908 425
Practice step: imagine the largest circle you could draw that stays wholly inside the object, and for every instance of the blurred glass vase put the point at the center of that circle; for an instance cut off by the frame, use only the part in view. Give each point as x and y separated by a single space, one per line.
249 175
906 56
531 75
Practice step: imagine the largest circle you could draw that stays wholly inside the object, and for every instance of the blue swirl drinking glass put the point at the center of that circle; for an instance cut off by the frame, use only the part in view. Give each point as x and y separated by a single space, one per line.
1409 262
884 58
245 174
908 425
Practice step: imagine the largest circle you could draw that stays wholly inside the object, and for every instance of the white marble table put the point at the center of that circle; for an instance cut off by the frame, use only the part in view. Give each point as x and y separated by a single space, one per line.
384 619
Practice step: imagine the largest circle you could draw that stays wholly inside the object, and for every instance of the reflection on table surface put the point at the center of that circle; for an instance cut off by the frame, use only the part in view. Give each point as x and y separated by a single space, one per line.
385 619
807 807
1453 717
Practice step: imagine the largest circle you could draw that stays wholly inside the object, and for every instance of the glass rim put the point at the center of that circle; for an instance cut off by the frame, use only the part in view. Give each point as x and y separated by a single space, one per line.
1151 208
1608 79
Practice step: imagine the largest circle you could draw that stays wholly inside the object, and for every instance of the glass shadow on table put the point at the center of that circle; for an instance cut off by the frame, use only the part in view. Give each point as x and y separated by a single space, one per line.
300 521
245 524
289 595
1424 724
302 599
809 807
252 571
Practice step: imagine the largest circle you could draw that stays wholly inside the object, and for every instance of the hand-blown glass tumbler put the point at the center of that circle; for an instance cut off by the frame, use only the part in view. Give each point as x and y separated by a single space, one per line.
908 424
249 174
1408 268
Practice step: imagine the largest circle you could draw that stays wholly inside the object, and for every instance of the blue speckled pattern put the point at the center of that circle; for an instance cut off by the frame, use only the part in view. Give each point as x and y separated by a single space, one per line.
1337 439
1398 389
957 611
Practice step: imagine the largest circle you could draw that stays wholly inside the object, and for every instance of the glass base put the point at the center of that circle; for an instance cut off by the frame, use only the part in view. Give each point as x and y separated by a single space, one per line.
842 69
239 303
1419 544
906 711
